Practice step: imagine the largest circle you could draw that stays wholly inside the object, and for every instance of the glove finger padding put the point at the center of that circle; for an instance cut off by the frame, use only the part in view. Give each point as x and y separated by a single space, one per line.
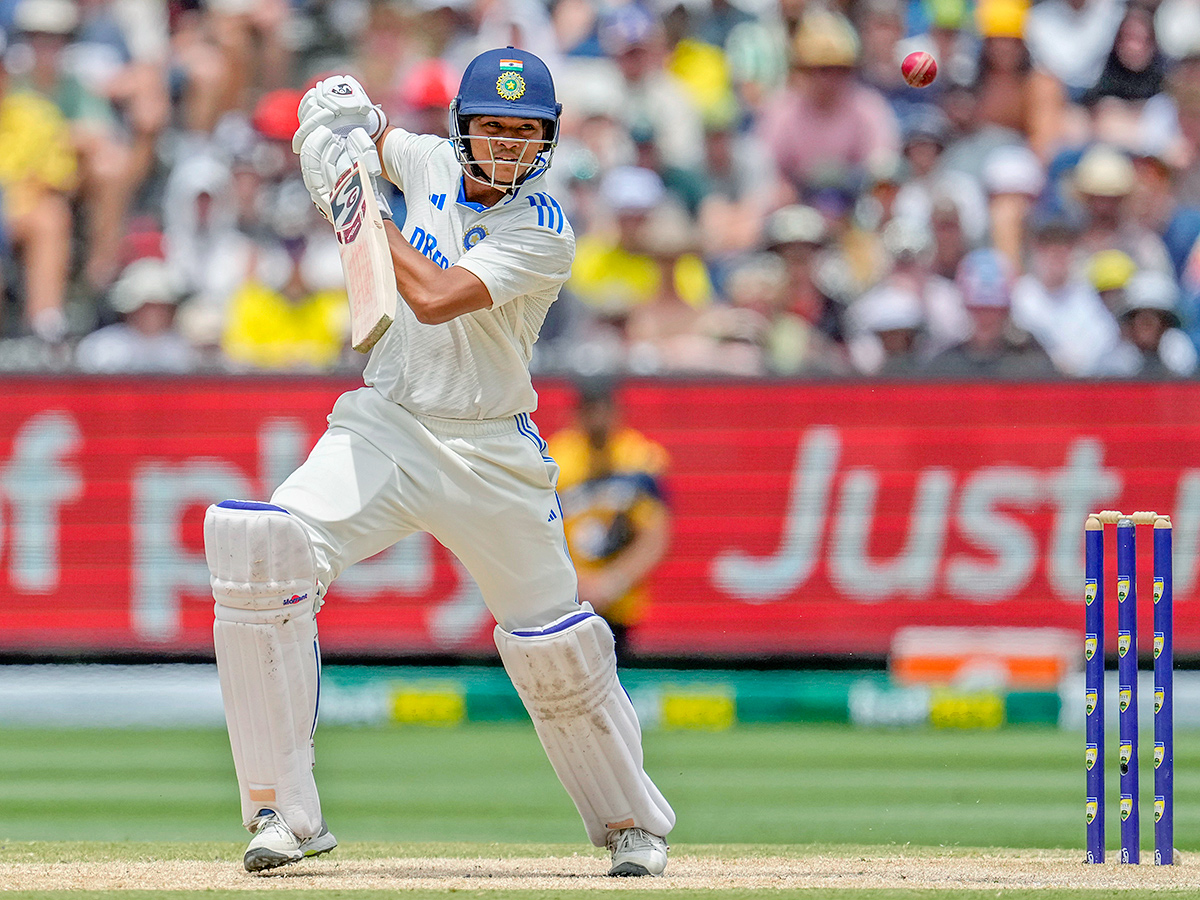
316 117
364 149
318 165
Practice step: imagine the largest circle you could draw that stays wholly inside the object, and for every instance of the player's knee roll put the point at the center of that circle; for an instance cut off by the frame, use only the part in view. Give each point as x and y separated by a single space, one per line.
260 562
565 668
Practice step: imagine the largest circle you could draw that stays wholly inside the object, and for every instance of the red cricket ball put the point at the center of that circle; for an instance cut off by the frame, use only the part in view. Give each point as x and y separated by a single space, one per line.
919 69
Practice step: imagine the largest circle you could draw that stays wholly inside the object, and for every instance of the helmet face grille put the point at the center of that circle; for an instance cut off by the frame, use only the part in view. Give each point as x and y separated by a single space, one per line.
473 167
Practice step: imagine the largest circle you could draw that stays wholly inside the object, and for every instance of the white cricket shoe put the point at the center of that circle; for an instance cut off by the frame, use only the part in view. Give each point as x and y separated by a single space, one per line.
636 852
274 844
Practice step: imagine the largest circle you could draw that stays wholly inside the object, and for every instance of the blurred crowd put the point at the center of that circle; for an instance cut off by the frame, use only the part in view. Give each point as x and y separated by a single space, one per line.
754 188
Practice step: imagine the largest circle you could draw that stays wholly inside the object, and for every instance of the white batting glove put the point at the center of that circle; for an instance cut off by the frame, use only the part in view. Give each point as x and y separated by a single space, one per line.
340 104
325 157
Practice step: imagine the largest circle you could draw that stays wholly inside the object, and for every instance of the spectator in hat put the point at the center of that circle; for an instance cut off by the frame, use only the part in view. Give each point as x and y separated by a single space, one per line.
892 316
1058 306
1151 346
1013 93
1171 123
288 311
824 119
881 25
799 236
786 343
950 241
1013 177
1071 39
926 134
653 101
108 164
944 321
615 269
145 340
1104 181
1108 272
38 174
996 349
202 242
740 179
948 35
1156 205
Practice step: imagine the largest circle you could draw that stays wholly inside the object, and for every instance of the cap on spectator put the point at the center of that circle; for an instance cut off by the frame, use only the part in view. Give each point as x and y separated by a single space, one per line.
625 27
46 16
275 115
889 308
1013 169
1001 18
825 40
632 189
906 239
926 122
795 224
1109 270
985 279
429 85
144 281
1104 172
1152 289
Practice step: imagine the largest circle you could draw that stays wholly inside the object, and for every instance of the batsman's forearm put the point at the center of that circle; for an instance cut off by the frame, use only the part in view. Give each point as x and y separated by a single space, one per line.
435 295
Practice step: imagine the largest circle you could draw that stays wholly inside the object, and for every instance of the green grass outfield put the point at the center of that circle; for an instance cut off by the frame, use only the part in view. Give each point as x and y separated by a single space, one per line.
768 789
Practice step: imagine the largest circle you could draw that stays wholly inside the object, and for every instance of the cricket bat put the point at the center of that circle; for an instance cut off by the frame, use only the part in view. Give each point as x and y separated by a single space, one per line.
366 260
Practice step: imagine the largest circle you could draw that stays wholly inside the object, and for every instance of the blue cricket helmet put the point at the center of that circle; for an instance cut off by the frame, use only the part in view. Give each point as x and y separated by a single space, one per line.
506 82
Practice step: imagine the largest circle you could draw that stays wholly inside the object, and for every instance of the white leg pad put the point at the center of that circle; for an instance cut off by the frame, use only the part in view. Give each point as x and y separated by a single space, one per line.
566 675
264 582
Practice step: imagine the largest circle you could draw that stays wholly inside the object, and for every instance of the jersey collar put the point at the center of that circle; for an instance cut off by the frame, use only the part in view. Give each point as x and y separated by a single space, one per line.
479 207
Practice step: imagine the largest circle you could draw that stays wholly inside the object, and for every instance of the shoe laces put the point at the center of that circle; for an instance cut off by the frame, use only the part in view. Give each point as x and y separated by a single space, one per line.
274 823
628 839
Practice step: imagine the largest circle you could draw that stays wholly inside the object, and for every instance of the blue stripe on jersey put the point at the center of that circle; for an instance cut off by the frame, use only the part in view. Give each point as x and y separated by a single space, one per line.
536 202
550 214
562 219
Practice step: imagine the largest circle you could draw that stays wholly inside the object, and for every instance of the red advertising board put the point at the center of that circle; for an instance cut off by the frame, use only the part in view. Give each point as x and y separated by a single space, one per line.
809 518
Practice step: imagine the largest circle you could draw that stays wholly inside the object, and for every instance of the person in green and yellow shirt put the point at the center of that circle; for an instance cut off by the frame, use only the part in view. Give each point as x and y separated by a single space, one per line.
615 513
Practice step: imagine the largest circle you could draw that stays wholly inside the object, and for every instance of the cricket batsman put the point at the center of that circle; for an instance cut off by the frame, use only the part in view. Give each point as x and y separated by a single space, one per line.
438 440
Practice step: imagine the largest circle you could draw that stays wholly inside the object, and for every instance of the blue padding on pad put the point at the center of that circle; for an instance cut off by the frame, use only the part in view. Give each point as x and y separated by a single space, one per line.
556 627
251 504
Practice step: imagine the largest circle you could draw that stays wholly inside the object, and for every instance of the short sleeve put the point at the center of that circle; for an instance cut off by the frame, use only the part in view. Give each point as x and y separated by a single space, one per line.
403 152
522 260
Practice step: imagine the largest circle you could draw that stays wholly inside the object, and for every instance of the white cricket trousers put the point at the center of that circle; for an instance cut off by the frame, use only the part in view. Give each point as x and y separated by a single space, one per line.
484 489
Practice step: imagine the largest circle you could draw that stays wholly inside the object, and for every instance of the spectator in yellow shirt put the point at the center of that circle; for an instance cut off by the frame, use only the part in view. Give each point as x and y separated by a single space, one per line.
614 510
617 271
37 174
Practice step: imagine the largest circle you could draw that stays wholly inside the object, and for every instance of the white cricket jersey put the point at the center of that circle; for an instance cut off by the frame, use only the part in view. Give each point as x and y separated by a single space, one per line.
477 365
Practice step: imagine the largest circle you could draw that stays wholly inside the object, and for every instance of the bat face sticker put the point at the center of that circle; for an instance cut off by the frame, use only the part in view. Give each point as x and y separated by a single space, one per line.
346 206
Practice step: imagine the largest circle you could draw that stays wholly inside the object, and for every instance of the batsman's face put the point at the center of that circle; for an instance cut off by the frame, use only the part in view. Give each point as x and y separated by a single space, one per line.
505 147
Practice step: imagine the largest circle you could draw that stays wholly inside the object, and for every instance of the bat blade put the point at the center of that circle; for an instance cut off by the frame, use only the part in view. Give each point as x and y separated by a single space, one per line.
366 260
